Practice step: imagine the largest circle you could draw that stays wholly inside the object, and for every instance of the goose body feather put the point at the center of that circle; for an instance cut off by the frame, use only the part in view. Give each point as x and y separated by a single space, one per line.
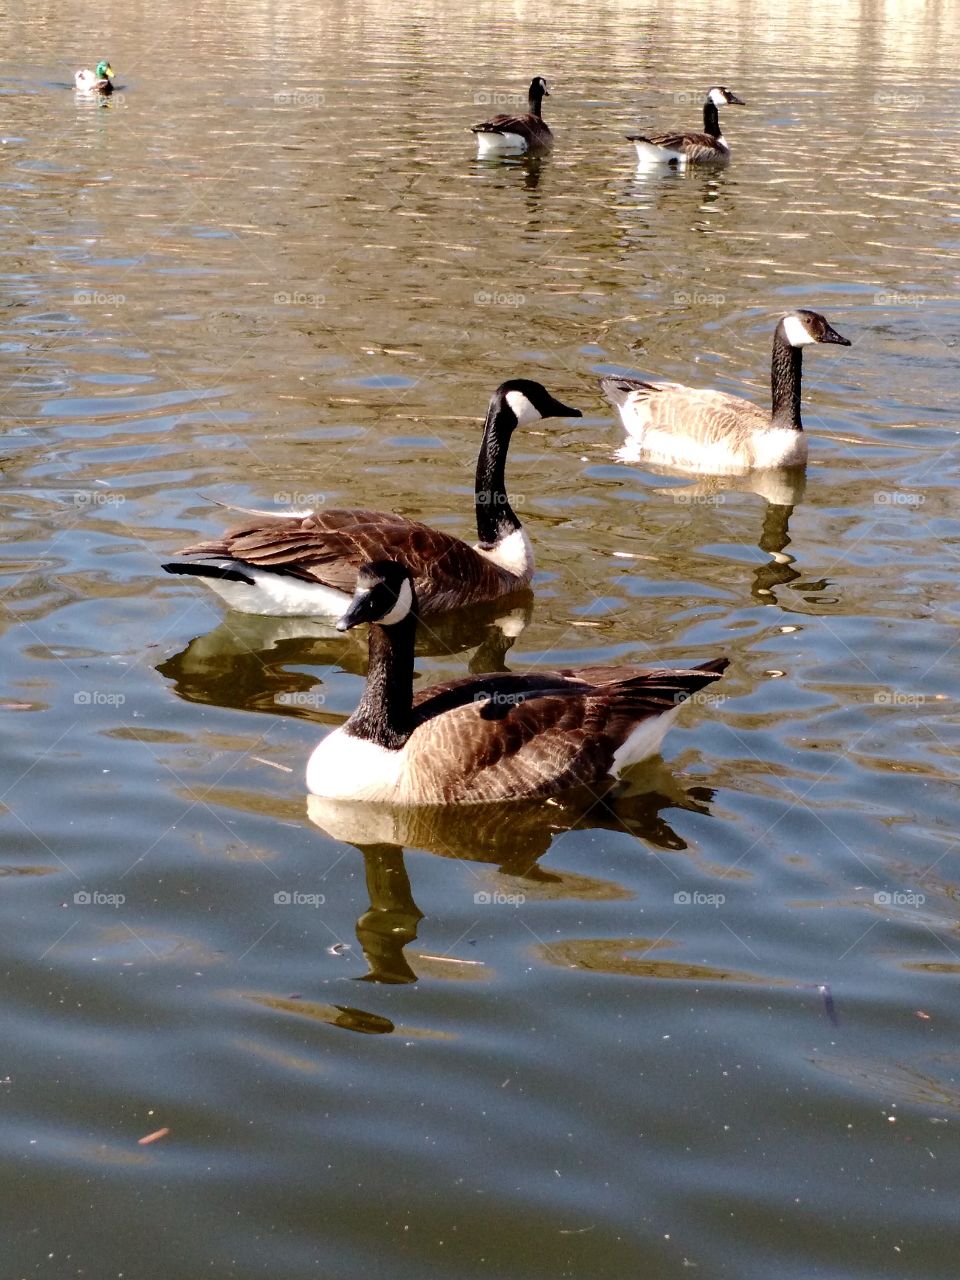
680 149
506 135
308 566
710 431
719 434
484 739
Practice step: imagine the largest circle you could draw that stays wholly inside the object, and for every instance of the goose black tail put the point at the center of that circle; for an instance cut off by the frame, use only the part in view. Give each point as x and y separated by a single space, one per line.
715 667
200 570
618 389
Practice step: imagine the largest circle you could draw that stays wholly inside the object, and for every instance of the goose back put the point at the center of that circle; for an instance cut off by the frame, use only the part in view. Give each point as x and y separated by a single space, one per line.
693 148
327 548
493 738
689 427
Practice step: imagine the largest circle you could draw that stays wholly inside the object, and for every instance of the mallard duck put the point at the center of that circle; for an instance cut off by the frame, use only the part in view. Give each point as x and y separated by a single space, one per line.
99 81
485 738
719 434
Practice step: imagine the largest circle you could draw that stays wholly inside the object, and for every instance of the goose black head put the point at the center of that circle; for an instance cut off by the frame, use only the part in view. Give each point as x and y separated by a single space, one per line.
801 328
384 594
529 401
721 96
538 88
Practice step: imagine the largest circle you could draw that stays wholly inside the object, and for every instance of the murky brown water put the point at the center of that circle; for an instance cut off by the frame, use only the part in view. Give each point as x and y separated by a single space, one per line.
709 1029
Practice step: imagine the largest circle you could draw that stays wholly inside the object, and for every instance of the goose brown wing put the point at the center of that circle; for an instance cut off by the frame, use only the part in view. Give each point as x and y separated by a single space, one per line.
494 738
709 416
700 147
695 146
671 141
526 126
505 688
704 416
329 547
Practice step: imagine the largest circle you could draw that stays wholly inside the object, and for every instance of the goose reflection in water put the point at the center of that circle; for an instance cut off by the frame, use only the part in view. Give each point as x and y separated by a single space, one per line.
782 489
695 193
247 661
512 837
530 167
533 169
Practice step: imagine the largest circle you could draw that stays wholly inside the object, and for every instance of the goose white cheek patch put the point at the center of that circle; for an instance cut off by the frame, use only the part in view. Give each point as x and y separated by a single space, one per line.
521 406
401 608
796 332
717 98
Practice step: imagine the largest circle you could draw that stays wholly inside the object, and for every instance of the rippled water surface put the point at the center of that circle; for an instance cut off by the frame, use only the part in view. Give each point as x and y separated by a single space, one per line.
709 1027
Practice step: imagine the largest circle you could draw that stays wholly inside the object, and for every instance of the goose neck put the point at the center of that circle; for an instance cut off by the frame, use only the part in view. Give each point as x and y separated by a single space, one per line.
496 519
711 119
785 376
385 712
534 103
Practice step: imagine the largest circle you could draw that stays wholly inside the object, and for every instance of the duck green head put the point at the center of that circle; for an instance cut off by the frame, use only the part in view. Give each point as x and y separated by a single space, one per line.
104 70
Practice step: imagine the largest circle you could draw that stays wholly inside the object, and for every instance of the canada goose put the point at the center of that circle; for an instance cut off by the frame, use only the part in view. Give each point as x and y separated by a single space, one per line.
503 135
306 564
484 738
720 434
680 149
99 81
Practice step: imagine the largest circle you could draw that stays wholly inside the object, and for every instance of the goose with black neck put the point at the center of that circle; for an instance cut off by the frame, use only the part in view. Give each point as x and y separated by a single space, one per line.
305 563
680 149
485 738
516 134
714 433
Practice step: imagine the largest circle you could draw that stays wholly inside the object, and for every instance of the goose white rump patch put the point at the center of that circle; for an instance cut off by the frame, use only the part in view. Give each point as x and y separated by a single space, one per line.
643 741
277 595
498 144
649 155
344 767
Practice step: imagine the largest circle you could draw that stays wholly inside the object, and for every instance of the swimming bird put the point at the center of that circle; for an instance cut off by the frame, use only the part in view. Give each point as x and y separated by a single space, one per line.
484 738
719 434
99 81
306 564
506 134
681 149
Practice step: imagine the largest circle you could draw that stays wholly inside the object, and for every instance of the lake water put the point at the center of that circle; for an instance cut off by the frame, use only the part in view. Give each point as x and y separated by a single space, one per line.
709 1029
